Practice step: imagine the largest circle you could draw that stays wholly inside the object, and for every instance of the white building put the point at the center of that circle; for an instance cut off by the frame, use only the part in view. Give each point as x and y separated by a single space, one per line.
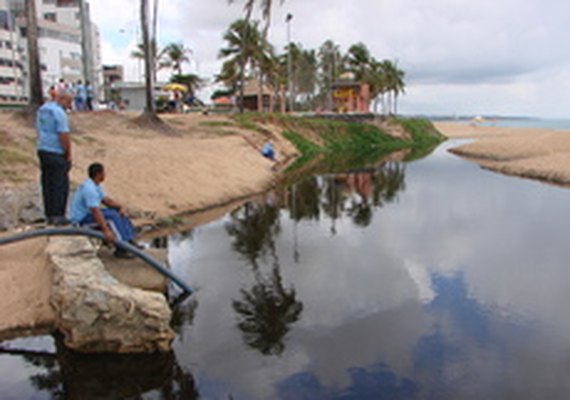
63 53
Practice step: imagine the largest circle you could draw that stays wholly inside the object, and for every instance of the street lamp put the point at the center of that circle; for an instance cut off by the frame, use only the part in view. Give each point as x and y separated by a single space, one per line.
289 63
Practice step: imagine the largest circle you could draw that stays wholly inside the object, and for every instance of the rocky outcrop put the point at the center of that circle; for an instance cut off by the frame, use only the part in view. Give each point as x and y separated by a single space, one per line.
20 205
98 314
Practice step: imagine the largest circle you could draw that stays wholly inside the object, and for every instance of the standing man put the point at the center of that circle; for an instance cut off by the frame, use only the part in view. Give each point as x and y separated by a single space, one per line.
80 96
54 153
87 209
90 95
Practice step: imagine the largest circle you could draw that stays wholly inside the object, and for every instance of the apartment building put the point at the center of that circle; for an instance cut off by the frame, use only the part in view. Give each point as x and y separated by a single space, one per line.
69 46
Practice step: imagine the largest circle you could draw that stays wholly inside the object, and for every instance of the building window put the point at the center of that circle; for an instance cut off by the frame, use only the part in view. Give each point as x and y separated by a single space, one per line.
50 16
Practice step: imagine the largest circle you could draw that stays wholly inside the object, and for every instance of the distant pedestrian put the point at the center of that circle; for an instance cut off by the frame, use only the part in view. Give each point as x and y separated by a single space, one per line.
90 95
80 96
92 206
52 92
62 86
54 153
268 151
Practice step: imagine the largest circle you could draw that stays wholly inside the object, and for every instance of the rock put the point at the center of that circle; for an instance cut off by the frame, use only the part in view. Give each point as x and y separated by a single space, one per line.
98 314
20 204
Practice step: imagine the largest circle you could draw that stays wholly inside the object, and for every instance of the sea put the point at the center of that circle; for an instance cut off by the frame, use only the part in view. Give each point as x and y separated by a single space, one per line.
557 124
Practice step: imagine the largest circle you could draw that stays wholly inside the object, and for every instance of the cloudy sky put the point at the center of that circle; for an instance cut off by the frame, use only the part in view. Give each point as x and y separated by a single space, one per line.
506 57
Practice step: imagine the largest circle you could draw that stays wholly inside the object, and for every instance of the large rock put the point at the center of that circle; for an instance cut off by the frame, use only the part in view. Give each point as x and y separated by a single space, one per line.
98 314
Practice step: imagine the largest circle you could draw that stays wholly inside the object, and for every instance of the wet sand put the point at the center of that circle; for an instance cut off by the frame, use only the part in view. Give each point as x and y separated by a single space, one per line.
540 154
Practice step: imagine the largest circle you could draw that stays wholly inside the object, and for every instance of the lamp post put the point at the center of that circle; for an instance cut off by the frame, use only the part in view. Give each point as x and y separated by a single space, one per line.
289 63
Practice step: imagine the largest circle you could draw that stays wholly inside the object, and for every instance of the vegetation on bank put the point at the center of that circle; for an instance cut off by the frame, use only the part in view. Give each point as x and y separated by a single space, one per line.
339 144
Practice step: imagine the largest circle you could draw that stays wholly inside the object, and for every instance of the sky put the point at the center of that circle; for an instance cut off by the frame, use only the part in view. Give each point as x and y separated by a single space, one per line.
461 57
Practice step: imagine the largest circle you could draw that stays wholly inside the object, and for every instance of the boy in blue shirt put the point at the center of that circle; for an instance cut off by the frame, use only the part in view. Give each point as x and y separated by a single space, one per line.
86 209
54 153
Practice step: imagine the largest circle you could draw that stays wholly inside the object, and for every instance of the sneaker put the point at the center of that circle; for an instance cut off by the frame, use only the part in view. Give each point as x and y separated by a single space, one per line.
120 253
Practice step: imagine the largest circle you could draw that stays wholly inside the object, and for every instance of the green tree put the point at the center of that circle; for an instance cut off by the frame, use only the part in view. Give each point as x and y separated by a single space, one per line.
240 58
359 59
176 54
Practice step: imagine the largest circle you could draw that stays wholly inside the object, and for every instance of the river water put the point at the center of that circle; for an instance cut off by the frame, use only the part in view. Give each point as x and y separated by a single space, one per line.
428 280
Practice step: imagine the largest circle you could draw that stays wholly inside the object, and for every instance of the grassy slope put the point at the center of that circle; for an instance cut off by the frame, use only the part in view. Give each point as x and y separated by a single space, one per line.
346 144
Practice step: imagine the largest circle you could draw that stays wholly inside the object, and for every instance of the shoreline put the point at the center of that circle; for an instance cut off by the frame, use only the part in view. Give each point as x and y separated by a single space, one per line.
538 154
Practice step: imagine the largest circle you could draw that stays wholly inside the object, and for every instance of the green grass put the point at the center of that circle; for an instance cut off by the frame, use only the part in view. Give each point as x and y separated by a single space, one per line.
342 144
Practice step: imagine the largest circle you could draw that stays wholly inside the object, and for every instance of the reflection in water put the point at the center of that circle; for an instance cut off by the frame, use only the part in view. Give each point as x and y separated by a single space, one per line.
458 291
69 375
267 309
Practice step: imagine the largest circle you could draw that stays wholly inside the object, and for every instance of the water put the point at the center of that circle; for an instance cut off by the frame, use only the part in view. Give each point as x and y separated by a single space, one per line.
430 280
556 124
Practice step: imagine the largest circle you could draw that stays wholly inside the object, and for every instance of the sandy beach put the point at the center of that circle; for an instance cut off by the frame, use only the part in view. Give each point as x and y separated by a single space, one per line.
540 154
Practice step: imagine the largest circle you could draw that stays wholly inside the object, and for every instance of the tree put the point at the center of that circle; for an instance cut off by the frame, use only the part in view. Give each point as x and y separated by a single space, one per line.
35 78
244 49
328 68
359 59
394 84
150 108
176 55
266 6
157 56
191 81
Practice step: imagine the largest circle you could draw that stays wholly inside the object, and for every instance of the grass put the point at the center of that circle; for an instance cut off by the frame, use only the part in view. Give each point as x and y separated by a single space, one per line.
345 144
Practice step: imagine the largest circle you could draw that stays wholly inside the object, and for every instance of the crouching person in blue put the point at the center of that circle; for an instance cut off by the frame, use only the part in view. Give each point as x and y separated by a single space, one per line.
87 210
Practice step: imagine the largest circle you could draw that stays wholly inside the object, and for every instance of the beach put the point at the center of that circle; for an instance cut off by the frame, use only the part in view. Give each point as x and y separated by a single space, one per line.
534 153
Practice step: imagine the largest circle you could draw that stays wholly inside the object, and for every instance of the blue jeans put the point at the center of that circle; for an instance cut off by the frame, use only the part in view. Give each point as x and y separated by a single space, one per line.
120 225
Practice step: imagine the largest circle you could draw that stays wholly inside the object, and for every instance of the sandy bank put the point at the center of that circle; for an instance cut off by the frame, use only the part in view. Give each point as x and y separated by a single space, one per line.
540 154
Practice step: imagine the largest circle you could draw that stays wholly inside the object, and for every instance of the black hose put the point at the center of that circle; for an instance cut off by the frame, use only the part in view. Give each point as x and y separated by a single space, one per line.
98 235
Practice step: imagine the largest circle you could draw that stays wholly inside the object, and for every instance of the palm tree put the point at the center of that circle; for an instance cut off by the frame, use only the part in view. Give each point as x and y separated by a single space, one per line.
239 57
266 13
265 5
36 92
157 56
394 84
329 55
358 59
150 109
176 55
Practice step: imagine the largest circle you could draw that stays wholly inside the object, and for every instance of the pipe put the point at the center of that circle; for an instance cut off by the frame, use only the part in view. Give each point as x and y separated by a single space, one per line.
98 235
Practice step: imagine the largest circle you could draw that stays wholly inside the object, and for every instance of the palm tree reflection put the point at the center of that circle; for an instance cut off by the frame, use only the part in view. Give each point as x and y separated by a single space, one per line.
267 309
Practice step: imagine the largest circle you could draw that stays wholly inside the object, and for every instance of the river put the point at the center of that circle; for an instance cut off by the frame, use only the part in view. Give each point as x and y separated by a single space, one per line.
427 280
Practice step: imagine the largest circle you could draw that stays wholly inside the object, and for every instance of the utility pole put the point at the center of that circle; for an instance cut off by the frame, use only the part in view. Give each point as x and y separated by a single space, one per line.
290 63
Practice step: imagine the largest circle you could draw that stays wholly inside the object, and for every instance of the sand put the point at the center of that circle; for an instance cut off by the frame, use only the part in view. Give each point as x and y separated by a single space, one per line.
204 162
540 154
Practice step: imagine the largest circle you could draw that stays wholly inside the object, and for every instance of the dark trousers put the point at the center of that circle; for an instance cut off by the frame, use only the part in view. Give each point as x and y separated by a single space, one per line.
55 183
120 225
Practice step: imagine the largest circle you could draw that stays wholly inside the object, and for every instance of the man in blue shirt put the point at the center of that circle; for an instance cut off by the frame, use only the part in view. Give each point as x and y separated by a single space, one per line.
86 209
80 96
54 153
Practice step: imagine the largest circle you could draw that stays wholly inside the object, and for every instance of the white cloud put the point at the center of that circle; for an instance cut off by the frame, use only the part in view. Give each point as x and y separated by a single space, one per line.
461 52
